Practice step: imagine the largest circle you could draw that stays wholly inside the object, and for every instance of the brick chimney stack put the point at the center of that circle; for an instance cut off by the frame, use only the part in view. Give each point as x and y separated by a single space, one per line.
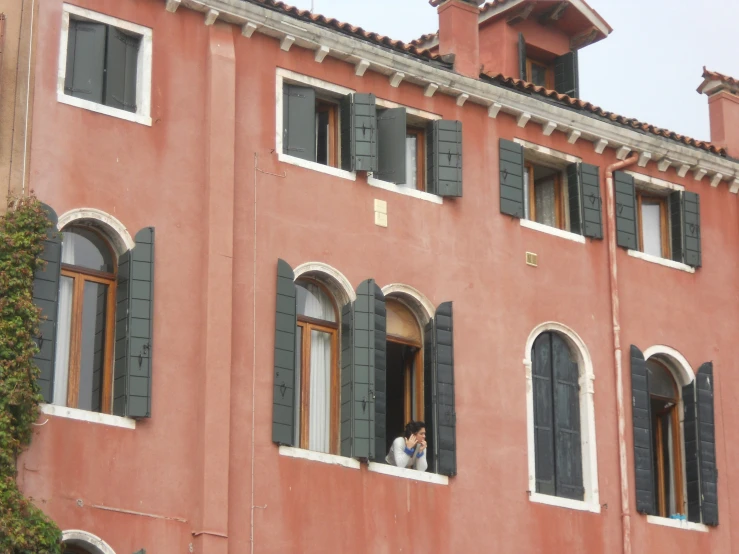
458 34
723 110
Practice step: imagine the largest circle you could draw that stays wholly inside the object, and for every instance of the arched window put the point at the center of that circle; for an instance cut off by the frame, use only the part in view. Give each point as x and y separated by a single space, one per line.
664 399
317 375
405 400
86 320
557 432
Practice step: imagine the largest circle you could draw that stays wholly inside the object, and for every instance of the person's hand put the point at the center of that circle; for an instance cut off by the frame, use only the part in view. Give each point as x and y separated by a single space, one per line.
411 442
421 446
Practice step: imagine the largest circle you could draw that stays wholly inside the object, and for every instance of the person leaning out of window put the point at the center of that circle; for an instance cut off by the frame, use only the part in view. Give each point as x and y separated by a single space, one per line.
410 450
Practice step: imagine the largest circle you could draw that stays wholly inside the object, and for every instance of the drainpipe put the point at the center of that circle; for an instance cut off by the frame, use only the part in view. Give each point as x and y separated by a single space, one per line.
613 281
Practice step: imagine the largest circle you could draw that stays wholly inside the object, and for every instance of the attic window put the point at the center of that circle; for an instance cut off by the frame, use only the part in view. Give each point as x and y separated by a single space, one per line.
548 69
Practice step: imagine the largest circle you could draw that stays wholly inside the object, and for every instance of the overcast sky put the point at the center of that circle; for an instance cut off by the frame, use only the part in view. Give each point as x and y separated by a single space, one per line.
648 68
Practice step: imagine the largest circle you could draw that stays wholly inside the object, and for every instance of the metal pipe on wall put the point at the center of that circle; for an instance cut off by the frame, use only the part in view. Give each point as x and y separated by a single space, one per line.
615 313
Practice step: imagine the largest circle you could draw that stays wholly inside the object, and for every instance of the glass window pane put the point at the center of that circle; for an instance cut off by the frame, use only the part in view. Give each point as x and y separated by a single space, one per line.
92 358
538 75
322 145
651 229
661 382
320 392
63 338
411 161
314 302
544 197
85 248
298 369
526 179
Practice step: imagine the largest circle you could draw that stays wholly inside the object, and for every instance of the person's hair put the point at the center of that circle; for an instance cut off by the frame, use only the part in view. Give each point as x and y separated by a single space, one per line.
412 428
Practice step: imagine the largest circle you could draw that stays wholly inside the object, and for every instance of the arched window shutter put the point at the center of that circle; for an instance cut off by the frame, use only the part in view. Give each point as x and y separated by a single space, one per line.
704 386
132 371
441 416
283 396
347 380
46 297
544 436
642 422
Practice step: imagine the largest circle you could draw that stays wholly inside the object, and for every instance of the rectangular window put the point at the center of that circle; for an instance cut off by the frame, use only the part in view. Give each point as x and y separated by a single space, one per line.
545 196
653 219
106 65
540 74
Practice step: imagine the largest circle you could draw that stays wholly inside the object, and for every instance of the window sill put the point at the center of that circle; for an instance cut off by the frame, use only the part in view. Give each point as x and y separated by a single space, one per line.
103 109
335 171
408 473
332 459
90 417
392 187
574 237
661 261
678 524
581 505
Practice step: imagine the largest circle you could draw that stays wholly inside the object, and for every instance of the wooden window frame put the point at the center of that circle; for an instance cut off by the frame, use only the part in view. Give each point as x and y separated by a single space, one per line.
677 462
324 106
548 71
559 200
309 324
652 199
413 365
80 276
420 135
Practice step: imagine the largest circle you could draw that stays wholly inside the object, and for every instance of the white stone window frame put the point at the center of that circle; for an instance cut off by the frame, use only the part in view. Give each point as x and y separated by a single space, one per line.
660 186
143 69
591 502
555 159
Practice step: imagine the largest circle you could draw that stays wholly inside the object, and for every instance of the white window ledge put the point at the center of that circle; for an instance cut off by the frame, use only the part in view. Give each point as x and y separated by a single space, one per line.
574 237
564 502
677 524
661 261
408 473
407 191
90 417
332 459
315 166
103 109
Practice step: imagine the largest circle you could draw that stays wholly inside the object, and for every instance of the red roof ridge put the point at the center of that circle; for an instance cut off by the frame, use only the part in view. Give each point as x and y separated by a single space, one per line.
709 76
522 85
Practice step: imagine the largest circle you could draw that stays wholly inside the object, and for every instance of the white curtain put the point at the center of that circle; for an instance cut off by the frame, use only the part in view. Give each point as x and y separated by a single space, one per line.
411 163
320 392
64 324
670 459
298 369
544 198
651 229
526 179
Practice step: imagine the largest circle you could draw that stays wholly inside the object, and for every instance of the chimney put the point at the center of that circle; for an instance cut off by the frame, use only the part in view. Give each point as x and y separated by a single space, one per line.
458 34
723 110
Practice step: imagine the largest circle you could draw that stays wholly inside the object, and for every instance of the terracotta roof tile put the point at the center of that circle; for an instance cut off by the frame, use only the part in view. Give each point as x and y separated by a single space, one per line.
716 76
576 103
349 29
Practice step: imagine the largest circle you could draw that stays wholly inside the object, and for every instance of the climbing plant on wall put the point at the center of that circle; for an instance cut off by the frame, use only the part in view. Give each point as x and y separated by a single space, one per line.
23 527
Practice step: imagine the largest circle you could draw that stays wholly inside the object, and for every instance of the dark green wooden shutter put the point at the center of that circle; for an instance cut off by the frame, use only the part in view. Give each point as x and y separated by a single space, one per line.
299 122
704 386
368 372
46 297
574 197
120 70
85 60
623 184
347 379
391 133
692 233
567 442
511 178
690 439
642 421
444 158
439 397
134 329
591 201
359 132
283 394
566 74
677 229
541 373
522 57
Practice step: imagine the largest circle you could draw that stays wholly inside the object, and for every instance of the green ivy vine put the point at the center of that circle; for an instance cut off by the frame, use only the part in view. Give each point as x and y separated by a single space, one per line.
24 528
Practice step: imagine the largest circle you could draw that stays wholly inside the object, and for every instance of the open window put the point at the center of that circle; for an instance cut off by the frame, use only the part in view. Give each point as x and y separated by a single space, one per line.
545 191
548 70
656 219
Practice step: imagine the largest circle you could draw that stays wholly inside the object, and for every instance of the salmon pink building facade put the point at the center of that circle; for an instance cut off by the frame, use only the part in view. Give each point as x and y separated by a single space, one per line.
284 237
